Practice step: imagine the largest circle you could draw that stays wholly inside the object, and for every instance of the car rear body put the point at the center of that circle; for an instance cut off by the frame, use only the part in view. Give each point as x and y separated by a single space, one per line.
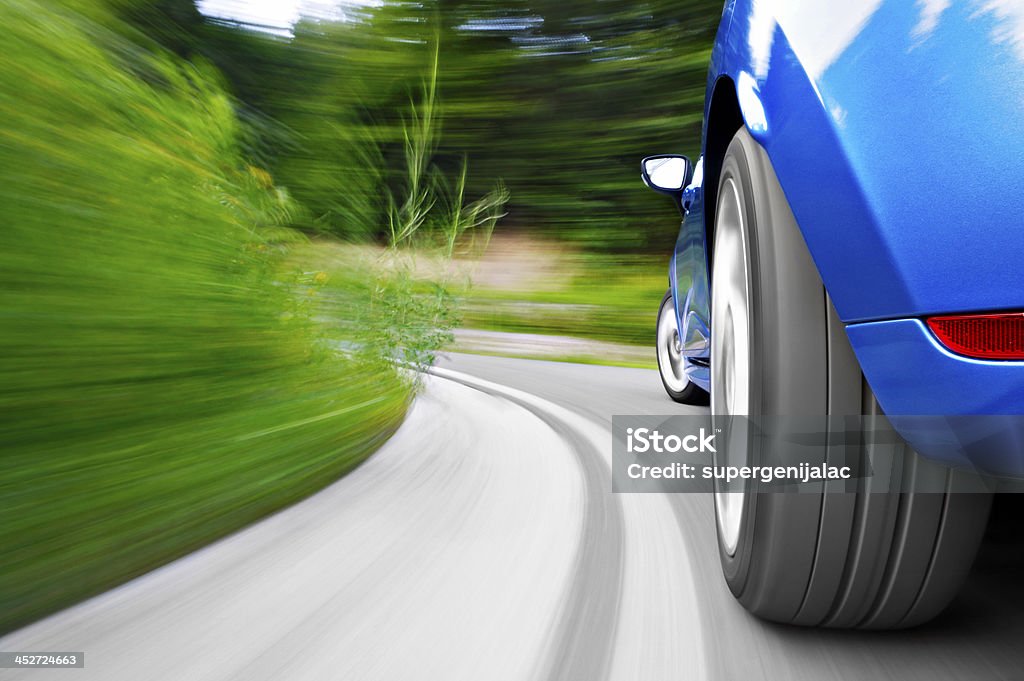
894 130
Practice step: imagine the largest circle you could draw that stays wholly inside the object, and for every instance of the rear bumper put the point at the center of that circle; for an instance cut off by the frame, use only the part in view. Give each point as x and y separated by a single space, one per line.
963 408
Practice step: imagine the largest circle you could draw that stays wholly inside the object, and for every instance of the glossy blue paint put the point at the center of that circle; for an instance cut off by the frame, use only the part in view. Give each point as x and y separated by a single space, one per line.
893 128
687 276
915 379
894 131
931 379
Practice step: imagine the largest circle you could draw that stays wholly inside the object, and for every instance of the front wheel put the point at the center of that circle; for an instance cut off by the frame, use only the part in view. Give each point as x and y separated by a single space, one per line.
671 363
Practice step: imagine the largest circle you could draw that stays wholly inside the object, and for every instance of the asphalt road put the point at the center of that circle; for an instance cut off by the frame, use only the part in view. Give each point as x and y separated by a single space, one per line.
483 543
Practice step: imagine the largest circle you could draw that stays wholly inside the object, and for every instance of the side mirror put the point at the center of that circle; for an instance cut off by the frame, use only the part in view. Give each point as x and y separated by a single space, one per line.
667 173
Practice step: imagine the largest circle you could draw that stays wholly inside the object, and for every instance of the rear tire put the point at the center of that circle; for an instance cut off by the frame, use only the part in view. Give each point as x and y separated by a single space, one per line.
864 559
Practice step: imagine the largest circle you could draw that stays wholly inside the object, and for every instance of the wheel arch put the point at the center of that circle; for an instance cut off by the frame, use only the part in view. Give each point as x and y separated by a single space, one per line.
724 118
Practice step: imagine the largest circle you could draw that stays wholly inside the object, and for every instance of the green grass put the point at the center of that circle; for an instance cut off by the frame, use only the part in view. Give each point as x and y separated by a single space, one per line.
162 379
599 296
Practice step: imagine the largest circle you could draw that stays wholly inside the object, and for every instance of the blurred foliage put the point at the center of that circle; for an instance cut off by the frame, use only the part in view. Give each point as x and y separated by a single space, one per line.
429 212
163 378
176 359
559 99
605 297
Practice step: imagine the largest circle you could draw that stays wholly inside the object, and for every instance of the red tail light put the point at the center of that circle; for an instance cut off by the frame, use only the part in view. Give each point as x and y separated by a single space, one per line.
985 336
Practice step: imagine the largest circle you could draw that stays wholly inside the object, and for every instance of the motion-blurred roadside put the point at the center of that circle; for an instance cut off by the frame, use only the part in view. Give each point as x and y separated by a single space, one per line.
198 214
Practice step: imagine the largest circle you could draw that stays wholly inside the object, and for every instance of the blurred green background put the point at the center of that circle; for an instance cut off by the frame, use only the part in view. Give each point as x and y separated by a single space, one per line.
217 237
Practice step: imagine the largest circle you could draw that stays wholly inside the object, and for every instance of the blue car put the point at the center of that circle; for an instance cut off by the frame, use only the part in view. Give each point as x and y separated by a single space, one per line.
853 244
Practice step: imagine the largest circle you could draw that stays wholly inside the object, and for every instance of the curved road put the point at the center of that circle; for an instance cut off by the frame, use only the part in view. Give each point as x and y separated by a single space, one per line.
483 543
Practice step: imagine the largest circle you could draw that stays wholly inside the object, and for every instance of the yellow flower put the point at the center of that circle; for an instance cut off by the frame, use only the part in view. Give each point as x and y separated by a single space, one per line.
262 177
320 278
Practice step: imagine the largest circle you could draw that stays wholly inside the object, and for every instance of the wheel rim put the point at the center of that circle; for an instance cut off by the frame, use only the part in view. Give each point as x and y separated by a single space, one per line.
731 324
670 349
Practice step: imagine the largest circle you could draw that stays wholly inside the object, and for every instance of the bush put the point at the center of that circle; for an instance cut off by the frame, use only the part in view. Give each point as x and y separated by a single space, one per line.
159 383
